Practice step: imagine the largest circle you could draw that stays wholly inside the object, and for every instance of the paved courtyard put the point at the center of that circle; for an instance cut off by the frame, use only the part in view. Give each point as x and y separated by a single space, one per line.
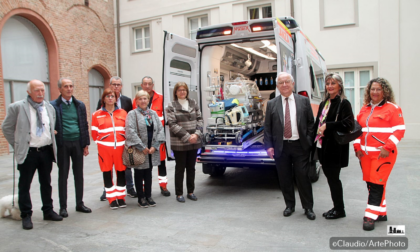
241 211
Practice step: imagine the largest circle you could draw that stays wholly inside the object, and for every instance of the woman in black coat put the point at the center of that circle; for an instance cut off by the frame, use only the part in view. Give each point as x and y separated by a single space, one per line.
332 155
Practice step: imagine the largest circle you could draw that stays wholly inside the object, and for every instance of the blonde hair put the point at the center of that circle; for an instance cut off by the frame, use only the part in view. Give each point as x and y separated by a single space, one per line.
142 93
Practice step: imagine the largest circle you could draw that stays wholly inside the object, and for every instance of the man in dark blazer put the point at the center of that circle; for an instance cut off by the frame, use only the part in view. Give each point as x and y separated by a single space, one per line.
288 135
72 142
125 103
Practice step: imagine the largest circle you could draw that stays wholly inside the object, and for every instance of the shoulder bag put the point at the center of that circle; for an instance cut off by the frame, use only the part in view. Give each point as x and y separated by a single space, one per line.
131 155
347 137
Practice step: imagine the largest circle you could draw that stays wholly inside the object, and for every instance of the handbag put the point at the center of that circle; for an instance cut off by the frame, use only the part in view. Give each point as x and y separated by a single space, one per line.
347 137
131 155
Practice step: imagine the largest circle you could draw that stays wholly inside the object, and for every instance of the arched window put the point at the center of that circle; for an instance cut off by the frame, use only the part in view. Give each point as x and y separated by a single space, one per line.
96 88
24 58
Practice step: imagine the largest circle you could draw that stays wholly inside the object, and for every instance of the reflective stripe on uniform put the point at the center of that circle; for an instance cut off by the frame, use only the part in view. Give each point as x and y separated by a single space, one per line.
111 129
376 208
357 141
111 144
371 215
367 148
394 139
398 127
377 130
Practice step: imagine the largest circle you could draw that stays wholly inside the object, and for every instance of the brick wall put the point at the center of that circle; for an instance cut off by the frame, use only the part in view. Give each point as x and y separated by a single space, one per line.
85 38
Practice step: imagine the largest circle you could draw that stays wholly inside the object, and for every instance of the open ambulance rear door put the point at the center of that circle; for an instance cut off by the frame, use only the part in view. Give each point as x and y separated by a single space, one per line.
285 50
180 64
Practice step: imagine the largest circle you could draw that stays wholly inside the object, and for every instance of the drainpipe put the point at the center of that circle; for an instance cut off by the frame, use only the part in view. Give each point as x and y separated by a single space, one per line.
118 39
292 8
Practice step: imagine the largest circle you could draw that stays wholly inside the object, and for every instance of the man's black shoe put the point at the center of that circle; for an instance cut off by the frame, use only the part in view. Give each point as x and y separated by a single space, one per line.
132 193
63 213
310 214
27 222
53 216
328 212
150 202
103 196
288 211
83 209
143 203
336 214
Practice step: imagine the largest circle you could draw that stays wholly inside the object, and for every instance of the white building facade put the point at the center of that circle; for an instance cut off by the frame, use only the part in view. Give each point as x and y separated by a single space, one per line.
359 39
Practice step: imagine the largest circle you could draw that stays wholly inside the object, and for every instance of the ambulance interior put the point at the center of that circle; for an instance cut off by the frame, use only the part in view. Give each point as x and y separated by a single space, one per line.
225 67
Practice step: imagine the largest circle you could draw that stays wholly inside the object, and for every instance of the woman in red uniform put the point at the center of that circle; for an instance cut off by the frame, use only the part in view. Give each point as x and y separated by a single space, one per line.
108 132
383 127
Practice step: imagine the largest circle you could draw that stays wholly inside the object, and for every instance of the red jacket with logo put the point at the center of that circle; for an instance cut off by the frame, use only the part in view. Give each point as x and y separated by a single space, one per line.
382 126
109 131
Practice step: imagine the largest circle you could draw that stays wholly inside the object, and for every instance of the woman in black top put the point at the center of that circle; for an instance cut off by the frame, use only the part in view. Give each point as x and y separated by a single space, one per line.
332 155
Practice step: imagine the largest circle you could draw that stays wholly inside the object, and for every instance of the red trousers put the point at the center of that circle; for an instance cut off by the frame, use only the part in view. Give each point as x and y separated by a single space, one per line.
376 173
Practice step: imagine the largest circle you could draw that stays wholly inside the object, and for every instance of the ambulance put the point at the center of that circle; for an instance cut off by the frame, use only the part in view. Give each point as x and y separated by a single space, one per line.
231 71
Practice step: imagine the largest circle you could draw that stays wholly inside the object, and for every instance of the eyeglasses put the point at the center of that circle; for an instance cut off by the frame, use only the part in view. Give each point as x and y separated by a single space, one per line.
181 90
375 89
116 85
110 96
284 82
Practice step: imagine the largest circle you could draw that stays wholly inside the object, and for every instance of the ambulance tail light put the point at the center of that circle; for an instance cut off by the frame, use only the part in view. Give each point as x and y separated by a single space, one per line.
223 31
259 27
304 93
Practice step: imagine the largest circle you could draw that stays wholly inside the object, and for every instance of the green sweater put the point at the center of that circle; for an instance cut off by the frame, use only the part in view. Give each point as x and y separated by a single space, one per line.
71 130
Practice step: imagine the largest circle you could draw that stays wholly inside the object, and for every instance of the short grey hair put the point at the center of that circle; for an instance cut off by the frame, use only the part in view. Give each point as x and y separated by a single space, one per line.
115 78
281 73
60 81
142 93
147 77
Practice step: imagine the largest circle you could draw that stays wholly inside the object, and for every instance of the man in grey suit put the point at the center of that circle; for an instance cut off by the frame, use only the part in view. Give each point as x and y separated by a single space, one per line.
288 138
29 128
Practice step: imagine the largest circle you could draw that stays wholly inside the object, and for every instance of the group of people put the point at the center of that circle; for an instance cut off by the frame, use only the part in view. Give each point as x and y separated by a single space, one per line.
294 140
42 133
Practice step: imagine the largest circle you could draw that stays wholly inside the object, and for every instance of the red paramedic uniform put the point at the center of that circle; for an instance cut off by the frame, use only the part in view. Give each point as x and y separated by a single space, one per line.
157 106
382 127
108 132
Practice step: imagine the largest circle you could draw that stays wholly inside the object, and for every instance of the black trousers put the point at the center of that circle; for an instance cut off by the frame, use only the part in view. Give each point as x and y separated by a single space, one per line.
146 176
376 192
41 161
73 150
162 168
336 188
185 160
294 162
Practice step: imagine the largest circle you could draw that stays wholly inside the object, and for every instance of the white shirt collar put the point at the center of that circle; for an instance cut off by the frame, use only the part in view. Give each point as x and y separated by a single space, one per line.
65 101
291 97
